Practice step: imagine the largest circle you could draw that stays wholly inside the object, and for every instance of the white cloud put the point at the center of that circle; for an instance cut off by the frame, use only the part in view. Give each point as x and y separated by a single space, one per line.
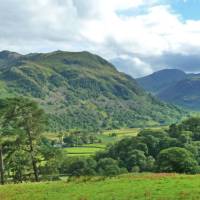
95 25
125 64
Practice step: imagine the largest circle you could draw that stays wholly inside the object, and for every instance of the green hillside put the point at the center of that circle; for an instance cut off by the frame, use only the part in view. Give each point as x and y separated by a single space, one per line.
140 187
81 90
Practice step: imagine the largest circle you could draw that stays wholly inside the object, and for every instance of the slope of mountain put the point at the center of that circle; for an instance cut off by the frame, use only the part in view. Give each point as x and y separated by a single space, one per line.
174 86
185 93
161 80
81 90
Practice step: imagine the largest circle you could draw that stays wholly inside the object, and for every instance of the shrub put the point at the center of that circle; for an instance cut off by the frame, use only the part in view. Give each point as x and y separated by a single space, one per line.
82 167
178 160
108 167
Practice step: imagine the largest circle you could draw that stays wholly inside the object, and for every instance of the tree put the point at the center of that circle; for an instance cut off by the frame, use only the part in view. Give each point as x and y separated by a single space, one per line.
194 148
51 158
32 122
192 124
28 119
108 167
18 162
1 164
82 167
6 130
136 158
69 141
176 159
154 140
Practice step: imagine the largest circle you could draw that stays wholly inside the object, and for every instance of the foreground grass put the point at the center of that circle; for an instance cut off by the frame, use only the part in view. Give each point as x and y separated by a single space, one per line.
128 187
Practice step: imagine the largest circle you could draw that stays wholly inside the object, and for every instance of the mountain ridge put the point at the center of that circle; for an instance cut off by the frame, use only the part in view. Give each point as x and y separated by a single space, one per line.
161 79
183 90
81 90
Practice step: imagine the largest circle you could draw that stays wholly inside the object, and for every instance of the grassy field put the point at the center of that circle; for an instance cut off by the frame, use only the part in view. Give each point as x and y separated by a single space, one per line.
126 187
107 137
128 132
123 132
84 150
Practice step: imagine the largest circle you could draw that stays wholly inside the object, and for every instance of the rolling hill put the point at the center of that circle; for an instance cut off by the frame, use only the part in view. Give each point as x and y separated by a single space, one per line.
174 86
81 90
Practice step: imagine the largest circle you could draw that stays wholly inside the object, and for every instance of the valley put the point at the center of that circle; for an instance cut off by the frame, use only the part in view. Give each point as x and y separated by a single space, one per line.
72 122
99 100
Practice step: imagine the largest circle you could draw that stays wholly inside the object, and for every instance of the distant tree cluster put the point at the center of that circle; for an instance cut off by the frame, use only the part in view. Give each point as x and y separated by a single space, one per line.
78 138
174 150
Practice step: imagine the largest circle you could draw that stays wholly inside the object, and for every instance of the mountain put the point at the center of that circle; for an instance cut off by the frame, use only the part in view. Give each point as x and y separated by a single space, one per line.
185 93
174 86
161 80
81 90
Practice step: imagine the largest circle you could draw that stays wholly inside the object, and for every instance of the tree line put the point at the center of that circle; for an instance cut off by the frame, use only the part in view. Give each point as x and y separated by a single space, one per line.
173 150
27 155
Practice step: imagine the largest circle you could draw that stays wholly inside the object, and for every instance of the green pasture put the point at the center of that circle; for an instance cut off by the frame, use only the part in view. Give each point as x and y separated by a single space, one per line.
82 151
126 187
115 135
107 137
123 132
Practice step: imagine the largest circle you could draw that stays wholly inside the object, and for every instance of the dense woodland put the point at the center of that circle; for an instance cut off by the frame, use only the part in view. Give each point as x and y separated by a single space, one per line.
27 155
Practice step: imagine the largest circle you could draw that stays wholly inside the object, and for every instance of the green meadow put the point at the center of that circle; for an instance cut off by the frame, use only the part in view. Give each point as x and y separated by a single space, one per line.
126 187
107 137
83 150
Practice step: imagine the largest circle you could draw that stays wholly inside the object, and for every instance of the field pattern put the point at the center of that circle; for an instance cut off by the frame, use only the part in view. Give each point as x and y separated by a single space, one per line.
83 150
107 137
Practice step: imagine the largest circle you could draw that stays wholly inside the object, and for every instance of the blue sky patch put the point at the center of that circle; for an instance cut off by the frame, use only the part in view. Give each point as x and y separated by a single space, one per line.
188 9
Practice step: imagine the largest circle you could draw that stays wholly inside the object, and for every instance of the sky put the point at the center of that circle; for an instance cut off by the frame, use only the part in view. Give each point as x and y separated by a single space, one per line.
138 36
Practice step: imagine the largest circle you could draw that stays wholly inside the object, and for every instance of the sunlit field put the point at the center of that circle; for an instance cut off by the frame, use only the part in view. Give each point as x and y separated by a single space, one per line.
126 187
83 150
107 137
123 132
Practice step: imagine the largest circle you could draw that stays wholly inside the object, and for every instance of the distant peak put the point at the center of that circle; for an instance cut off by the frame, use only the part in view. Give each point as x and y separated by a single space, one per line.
169 71
66 52
9 55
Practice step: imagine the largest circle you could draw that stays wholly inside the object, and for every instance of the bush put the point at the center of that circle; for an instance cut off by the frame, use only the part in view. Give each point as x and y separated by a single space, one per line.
108 167
82 167
135 169
178 160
